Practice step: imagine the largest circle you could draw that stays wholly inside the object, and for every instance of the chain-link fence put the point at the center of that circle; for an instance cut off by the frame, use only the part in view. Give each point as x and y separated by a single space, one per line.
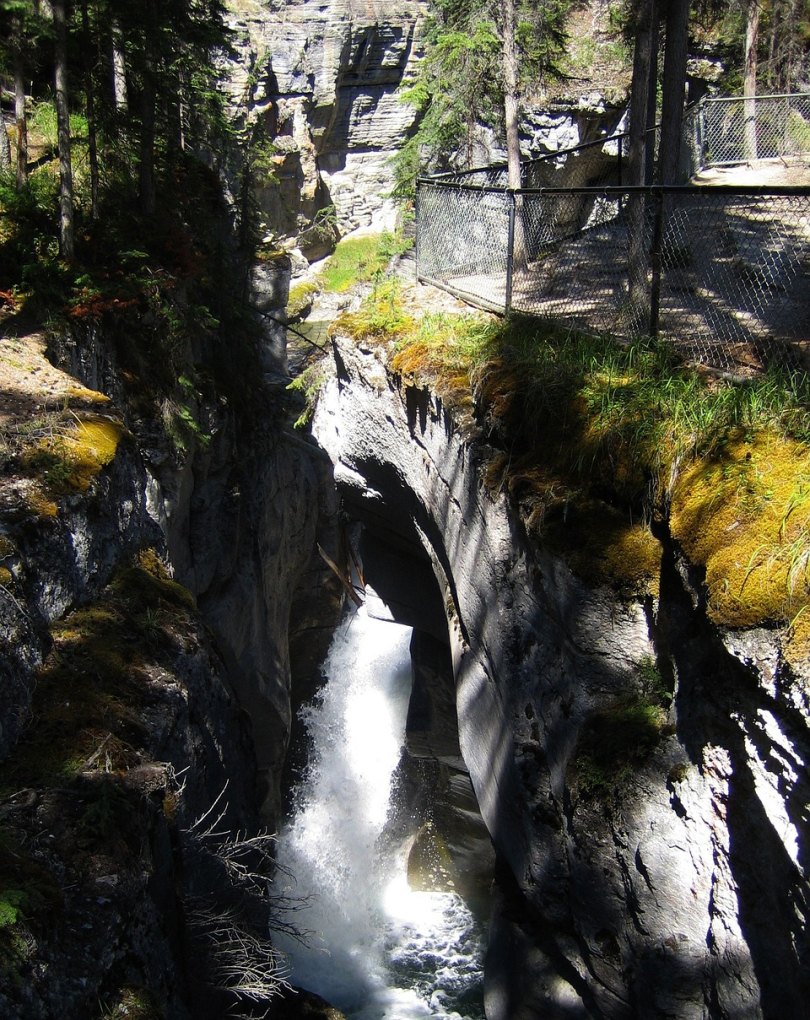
735 129
722 272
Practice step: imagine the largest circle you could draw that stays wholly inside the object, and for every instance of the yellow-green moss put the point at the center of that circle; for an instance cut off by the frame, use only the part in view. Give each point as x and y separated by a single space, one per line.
90 447
745 516
301 297
148 581
86 396
40 504
67 461
602 544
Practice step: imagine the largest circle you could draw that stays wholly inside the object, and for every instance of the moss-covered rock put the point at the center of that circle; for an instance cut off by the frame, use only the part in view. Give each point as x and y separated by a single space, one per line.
744 516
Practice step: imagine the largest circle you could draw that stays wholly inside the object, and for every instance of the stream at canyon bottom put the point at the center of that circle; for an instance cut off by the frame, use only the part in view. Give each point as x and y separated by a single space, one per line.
379 950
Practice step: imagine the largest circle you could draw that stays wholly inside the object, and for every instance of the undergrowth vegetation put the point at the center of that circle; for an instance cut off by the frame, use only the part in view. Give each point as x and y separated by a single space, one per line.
86 732
601 444
167 292
94 685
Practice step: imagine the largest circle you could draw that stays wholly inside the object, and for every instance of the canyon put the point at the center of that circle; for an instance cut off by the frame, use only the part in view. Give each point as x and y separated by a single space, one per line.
184 600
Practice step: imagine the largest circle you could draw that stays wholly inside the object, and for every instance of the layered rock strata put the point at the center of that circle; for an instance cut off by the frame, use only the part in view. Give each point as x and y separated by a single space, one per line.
675 887
322 77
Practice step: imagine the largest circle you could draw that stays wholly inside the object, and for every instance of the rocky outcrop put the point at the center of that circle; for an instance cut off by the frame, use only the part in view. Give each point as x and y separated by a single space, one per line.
148 648
641 774
322 78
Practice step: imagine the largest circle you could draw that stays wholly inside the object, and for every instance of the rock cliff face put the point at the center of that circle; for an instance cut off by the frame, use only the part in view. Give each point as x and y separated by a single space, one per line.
150 621
322 77
673 887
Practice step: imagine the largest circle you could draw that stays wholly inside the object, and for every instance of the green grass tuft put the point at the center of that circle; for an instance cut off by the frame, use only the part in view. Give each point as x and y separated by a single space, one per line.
360 260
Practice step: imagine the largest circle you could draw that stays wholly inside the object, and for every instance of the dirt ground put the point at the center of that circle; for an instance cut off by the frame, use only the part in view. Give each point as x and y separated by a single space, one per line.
773 172
30 385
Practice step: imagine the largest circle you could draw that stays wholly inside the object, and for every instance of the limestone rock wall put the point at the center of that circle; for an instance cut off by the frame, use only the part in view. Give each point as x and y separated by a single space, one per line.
679 891
321 77
183 693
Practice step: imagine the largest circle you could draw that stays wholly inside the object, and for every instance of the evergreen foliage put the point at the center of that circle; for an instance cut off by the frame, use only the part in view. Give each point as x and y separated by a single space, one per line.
153 249
460 82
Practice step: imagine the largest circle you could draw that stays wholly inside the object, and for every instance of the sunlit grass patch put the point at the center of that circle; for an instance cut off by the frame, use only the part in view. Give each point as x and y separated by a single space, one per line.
358 260
381 317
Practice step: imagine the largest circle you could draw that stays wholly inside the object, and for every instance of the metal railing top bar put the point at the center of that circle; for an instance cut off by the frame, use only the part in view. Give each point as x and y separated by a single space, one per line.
546 157
740 99
629 189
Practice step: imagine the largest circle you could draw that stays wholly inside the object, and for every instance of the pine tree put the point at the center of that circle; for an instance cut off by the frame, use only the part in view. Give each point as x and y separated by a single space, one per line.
66 233
481 57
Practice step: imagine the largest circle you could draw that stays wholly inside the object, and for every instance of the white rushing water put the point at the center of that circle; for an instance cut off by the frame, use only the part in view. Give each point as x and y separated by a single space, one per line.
379 950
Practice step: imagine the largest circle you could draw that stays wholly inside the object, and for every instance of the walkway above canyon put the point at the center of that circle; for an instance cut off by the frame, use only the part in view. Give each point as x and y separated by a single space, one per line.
719 265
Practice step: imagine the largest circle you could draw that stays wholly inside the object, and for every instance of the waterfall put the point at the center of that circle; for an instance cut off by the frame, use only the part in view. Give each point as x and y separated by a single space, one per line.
377 949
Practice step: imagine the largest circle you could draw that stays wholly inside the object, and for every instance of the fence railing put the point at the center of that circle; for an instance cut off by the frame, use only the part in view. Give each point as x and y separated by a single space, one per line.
717 131
722 271
734 129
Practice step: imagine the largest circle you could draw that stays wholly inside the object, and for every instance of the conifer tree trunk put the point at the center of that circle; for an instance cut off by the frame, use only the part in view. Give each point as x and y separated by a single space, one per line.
674 83
119 72
750 77
5 148
510 94
90 110
146 169
66 235
640 158
20 118
642 95
511 105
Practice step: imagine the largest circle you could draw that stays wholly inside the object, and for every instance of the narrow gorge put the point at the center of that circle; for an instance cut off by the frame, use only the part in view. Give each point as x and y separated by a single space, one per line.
308 679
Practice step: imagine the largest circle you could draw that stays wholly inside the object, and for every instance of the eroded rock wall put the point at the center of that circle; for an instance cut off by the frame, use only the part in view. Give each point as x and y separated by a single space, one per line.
148 628
322 77
675 888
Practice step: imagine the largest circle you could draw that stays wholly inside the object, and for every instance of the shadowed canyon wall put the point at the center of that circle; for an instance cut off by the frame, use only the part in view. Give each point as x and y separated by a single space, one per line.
675 887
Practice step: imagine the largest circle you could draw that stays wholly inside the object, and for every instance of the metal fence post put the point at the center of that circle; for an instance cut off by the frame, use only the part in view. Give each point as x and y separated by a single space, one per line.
621 148
416 225
510 251
657 196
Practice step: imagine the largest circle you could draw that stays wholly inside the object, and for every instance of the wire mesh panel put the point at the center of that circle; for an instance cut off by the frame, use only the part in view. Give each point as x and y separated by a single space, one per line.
735 276
463 241
577 266
731 130
723 273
